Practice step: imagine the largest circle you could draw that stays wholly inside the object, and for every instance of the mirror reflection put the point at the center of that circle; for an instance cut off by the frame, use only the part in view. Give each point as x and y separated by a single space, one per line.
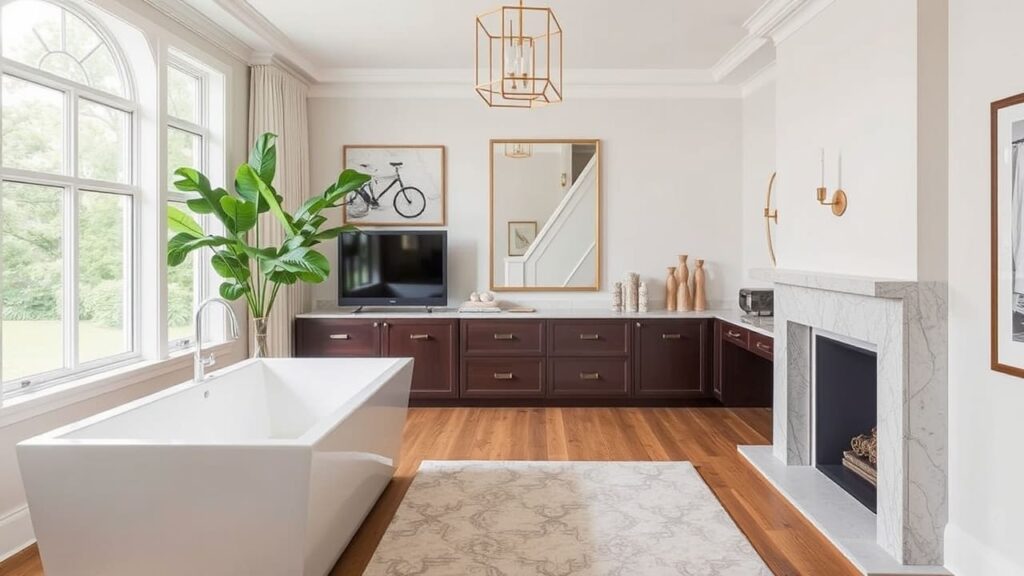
545 198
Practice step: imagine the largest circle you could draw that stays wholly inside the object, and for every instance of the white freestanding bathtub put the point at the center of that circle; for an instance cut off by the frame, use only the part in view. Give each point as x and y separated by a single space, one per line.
267 468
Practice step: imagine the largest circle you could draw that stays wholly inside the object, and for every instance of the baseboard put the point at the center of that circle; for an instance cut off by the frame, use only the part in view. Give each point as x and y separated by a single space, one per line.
966 556
15 532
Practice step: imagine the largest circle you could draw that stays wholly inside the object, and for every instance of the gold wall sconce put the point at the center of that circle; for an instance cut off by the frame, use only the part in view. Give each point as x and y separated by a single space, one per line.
769 217
838 201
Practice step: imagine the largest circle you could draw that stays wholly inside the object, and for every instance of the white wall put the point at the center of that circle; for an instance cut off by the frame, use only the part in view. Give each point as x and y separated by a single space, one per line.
985 532
847 81
671 178
758 165
15 529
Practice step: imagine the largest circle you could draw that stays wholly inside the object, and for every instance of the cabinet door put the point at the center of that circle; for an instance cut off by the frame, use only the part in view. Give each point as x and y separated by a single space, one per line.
433 345
337 337
672 359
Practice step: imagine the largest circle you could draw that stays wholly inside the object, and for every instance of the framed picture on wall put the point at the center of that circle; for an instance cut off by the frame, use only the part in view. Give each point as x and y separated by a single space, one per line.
520 236
407 185
1007 279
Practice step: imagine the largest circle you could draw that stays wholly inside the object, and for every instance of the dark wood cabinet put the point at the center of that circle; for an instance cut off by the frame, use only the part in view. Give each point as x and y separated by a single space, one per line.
337 337
503 337
672 359
744 370
589 378
588 337
563 361
434 345
503 378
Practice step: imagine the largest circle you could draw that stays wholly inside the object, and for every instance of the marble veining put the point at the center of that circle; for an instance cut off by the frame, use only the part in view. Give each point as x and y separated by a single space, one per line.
906 322
564 518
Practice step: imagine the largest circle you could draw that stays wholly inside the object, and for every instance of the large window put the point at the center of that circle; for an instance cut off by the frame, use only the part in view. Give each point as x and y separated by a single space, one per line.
188 145
69 193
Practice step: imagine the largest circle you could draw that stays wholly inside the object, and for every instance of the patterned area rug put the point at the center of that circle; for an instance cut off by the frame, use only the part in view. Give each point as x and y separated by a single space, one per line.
562 519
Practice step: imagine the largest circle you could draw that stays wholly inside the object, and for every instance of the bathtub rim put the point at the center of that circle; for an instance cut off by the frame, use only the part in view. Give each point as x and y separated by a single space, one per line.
308 439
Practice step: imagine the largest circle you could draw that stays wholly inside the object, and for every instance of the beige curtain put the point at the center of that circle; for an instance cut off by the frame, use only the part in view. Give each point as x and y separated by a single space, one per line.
277 103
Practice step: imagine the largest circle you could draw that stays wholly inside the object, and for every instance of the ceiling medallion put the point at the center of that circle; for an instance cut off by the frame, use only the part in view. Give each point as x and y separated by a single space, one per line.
519 57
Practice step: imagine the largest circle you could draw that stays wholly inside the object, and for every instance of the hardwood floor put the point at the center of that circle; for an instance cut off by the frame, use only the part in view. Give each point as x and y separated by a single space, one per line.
707 437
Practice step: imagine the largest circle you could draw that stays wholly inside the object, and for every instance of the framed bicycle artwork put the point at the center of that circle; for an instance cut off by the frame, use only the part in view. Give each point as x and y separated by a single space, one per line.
1007 281
406 188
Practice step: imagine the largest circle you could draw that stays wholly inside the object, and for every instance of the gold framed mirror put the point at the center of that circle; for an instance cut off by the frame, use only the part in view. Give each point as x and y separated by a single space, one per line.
545 215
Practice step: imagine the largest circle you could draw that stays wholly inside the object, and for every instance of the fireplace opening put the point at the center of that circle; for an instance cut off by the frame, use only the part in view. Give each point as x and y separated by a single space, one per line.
846 408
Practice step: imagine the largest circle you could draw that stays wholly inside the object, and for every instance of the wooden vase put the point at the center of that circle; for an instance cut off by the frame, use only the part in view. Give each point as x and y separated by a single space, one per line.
671 287
684 297
700 298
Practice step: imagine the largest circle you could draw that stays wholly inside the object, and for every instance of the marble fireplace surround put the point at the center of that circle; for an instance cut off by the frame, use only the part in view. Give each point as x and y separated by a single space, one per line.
906 322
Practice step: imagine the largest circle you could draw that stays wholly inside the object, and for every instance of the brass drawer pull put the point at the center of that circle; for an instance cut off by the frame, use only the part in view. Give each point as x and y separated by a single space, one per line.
339 337
590 336
419 336
764 347
732 334
504 337
590 375
671 336
503 376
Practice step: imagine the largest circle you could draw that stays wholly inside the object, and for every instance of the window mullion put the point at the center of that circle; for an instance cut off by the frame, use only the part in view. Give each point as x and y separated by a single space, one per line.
71 234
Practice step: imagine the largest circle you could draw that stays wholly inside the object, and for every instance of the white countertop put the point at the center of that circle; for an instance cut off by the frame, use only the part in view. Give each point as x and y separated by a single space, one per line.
761 325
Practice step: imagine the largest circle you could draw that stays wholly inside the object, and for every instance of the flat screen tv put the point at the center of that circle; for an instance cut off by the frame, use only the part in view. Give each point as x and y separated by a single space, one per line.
385 268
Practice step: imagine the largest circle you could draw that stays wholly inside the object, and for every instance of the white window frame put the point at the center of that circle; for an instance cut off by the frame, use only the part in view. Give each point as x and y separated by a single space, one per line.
73 186
204 129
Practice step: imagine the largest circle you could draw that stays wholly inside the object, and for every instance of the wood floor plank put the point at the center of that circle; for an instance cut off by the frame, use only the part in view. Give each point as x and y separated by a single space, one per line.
707 437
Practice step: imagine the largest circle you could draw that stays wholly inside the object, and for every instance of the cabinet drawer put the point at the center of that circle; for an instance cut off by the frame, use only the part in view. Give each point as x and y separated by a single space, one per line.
503 378
589 377
434 346
588 338
672 359
736 335
329 337
762 345
503 337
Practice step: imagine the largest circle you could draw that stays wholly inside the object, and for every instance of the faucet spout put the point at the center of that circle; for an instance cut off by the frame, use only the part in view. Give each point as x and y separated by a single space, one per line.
201 363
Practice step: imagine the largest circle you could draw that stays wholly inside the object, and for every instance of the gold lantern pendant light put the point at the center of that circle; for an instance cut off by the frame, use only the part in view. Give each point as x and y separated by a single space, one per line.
519 57
518 150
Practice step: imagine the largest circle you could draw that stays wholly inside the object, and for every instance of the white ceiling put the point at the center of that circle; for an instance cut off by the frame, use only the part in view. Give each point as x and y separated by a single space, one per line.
430 34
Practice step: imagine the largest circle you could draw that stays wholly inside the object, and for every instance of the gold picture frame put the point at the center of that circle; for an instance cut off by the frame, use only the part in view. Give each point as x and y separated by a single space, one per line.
416 171
495 144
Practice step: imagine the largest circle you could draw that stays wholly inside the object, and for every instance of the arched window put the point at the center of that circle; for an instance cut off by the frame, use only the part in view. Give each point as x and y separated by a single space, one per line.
69 195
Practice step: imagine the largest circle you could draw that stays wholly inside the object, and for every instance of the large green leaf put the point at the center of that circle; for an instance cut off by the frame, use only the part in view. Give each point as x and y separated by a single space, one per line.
332 233
180 245
180 222
268 194
191 180
241 212
282 277
348 181
227 265
232 290
263 157
309 265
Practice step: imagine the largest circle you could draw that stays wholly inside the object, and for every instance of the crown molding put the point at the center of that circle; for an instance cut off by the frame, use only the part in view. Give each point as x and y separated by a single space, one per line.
737 55
276 60
779 19
204 27
277 43
758 80
456 83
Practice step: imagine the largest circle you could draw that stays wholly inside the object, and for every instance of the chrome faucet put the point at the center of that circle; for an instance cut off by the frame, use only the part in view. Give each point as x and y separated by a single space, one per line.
201 364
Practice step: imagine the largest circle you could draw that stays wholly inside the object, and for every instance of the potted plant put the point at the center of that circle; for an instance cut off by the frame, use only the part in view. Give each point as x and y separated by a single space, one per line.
250 270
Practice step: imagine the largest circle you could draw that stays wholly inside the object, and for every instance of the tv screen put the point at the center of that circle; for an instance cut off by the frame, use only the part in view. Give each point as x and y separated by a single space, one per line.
393 268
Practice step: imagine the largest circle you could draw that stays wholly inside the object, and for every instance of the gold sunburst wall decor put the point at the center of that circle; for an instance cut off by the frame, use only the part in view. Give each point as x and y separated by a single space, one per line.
519 57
